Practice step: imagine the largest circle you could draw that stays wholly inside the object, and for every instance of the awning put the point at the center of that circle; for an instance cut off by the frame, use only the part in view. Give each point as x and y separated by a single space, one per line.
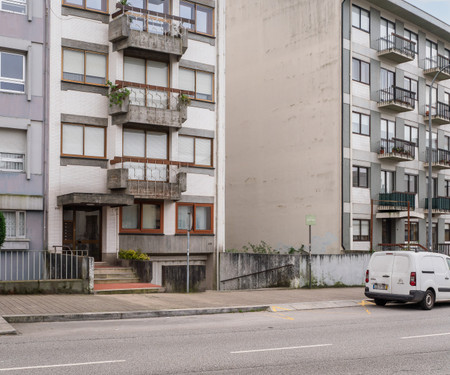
399 215
94 199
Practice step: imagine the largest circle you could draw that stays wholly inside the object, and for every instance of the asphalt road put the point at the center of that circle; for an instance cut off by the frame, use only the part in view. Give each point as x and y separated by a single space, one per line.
396 339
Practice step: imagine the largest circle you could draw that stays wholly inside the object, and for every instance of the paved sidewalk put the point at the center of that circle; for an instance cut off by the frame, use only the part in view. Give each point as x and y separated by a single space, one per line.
35 308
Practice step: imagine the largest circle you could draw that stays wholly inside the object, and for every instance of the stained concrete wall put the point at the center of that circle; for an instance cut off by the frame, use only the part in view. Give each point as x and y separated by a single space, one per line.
252 271
283 136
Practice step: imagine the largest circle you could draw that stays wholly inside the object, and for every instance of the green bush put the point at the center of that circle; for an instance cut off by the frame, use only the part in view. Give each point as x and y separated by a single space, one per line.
133 254
2 229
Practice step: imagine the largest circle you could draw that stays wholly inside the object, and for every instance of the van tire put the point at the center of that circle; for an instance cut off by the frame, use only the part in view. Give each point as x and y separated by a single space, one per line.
380 302
428 300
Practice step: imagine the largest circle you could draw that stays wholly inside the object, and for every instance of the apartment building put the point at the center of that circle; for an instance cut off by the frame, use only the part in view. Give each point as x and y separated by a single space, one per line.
22 117
130 170
332 121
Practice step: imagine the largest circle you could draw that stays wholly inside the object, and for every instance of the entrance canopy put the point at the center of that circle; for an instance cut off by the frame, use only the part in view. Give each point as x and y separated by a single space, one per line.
94 199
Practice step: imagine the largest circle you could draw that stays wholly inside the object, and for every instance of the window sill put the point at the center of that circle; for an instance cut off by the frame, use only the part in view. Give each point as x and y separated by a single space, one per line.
12 92
196 103
211 40
81 161
68 10
140 234
16 244
84 87
196 234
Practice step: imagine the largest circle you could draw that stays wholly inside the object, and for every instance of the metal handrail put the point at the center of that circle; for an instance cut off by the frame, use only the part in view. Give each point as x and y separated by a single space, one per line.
398 43
400 146
398 94
124 8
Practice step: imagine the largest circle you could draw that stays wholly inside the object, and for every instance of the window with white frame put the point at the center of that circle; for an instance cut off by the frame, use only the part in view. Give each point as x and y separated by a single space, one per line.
84 66
13 144
12 72
361 230
15 224
200 82
14 6
83 141
195 150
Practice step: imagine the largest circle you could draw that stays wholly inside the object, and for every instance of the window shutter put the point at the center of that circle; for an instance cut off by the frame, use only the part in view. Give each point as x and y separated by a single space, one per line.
186 149
134 70
156 145
95 68
203 151
187 80
134 143
94 139
72 140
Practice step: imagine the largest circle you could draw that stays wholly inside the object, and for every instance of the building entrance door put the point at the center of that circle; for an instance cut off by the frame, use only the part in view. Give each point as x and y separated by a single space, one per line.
81 230
386 231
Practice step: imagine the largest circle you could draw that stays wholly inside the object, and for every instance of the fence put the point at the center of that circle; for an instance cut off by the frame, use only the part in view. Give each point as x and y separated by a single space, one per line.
398 43
440 156
437 62
398 146
33 265
398 95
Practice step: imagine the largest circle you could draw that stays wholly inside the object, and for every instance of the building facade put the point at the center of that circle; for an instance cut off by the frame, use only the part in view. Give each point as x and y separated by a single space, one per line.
22 118
339 126
135 122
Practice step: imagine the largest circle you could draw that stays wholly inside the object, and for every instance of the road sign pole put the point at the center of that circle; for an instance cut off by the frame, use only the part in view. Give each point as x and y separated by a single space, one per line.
309 260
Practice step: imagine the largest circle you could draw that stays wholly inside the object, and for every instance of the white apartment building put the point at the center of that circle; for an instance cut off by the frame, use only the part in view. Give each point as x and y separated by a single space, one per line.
127 174
328 107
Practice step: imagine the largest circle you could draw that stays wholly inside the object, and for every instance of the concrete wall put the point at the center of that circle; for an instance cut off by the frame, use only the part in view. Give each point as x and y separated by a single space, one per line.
250 271
283 136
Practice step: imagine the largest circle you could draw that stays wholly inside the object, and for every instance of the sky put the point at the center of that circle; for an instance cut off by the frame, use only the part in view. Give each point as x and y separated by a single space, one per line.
438 8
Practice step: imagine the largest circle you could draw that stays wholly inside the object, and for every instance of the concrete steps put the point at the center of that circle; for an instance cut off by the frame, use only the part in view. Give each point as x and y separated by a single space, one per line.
119 280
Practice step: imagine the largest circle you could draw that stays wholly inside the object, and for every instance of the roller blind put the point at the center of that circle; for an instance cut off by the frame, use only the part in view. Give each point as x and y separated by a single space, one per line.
134 143
156 145
73 61
202 151
13 141
94 140
151 216
72 139
187 80
157 73
186 149
134 70
204 83
130 217
95 68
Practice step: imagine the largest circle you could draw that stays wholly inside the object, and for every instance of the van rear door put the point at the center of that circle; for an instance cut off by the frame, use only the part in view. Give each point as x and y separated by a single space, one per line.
401 273
442 277
380 272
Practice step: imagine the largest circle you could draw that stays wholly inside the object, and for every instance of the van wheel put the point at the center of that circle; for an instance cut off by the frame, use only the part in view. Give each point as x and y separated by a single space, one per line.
428 301
380 302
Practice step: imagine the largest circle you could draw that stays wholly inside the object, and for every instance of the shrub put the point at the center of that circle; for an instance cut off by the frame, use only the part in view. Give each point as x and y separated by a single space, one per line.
133 254
117 95
261 248
2 229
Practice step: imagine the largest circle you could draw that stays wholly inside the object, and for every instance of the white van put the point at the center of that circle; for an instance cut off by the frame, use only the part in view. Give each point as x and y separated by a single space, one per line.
408 276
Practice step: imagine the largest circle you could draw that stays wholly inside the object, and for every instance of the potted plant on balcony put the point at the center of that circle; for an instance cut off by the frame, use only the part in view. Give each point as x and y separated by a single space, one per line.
381 150
118 98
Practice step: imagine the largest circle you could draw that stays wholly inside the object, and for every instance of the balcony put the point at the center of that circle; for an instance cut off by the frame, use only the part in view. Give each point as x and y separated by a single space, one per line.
148 180
439 205
397 99
396 201
440 114
440 159
397 48
444 248
397 150
434 64
150 105
146 31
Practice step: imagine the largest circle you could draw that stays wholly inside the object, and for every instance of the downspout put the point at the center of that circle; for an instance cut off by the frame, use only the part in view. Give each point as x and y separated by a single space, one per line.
46 121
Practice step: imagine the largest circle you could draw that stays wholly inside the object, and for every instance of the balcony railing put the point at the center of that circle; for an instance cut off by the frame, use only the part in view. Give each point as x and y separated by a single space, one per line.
396 201
401 246
444 248
147 30
397 149
440 113
397 48
434 64
439 204
440 158
397 98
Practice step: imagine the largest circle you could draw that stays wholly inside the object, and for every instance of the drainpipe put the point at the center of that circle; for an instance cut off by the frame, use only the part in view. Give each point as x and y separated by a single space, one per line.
46 121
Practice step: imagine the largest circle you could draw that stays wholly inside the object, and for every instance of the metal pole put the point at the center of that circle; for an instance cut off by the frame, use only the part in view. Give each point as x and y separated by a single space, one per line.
309 260
430 232
409 226
187 263
371 225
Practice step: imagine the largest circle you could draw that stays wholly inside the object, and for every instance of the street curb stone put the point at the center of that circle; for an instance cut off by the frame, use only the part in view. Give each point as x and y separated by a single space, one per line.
5 328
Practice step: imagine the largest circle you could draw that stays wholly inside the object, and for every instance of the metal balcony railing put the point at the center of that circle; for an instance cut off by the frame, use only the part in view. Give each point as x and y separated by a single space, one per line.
153 22
441 110
398 95
444 248
401 246
397 200
441 204
438 62
439 156
399 44
399 147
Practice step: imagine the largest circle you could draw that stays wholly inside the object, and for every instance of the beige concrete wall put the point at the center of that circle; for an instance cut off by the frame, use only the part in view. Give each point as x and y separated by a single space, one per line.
283 132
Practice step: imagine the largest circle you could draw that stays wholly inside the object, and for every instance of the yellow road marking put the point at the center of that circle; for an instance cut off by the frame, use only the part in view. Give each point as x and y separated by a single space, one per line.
365 303
277 308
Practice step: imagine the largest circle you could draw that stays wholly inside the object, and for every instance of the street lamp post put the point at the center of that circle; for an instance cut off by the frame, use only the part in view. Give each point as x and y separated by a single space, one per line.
430 154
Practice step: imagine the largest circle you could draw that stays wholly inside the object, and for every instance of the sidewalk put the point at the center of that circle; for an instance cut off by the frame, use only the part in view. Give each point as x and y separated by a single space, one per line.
46 308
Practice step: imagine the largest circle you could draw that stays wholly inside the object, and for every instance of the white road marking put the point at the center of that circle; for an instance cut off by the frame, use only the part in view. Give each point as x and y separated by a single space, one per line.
63 365
433 335
287 348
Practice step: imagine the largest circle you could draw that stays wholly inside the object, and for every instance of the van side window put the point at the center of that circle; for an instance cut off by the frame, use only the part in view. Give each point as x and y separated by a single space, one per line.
439 265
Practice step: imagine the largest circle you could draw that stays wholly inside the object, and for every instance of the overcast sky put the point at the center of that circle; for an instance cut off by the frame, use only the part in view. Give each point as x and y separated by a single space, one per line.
438 8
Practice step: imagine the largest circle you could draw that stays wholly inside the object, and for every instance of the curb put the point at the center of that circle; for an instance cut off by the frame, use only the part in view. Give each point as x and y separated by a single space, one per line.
5 328
46 318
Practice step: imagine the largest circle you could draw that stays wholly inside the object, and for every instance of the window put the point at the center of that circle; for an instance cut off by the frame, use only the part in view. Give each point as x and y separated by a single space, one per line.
447 233
412 37
387 78
413 231
387 28
361 230
14 6
431 53
360 177
360 18
12 72
411 134
411 183
13 146
83 140
84 66
361 71
434 187
447 142
15 224
201 218
142 218
202 16
195 150
387 182
201 83
447 188
160 6
96 5
411 85
433 97
387 129
12 162
433 140
447 98
360 123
